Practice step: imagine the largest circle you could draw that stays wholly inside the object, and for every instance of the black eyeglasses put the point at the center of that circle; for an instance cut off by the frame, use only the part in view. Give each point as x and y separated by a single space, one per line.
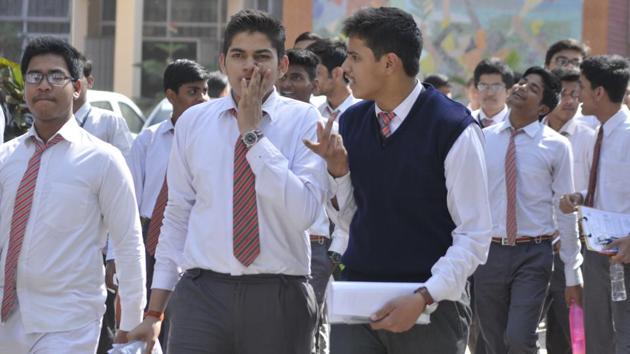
564 61
55 78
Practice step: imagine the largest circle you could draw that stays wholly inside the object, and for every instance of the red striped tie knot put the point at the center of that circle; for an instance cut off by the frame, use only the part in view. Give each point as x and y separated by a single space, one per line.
384 119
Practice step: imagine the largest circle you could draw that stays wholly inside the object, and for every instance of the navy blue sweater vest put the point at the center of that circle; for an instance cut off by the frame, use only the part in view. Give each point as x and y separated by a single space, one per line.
402 225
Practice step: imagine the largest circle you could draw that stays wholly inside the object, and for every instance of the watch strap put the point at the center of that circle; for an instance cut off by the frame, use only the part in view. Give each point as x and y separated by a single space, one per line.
428 299
155 314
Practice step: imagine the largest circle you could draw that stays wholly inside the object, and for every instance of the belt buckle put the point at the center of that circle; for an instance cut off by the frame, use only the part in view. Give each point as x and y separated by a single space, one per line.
505 242
537 240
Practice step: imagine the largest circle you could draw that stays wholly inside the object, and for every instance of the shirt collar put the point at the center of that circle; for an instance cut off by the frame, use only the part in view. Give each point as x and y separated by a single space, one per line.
166 127
268 107
568 128
531 129
621 116
71 131
349 101
81 112
405 106
495 118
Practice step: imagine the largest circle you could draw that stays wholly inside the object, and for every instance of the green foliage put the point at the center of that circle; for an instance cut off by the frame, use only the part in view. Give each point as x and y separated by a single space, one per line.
12 92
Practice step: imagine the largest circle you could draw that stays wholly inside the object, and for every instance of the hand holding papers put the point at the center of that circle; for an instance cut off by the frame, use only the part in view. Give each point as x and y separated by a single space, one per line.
355 302
602 228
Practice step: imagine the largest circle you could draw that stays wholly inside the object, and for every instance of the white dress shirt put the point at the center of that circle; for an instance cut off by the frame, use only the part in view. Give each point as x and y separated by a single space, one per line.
612 191
326 110
147 161
479 115
582 139
339 237
105 125
544 174
83 189
290 188
3 123
467 202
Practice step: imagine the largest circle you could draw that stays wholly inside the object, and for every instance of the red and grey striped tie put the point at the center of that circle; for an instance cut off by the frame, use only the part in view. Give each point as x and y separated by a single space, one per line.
385 119
19 220
511 226
246 241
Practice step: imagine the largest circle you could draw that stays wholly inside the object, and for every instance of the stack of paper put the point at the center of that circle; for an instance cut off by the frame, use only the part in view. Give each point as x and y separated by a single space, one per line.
355 302
602 227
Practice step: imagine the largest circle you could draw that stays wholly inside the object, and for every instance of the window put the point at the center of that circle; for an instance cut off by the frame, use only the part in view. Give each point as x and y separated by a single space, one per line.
173 29
22 19
102 104
134 121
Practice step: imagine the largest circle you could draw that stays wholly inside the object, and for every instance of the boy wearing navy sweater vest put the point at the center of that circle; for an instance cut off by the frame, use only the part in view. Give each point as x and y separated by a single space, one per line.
408 172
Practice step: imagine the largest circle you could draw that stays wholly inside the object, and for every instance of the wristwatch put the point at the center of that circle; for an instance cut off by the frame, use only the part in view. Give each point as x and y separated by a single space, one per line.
428 299
334 257
251 137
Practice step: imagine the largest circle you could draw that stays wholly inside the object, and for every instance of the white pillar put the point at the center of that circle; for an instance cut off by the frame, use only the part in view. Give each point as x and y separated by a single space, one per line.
78 23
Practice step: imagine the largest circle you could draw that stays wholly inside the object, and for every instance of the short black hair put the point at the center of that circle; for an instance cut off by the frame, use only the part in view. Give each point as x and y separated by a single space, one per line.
87 66
331 53
565 44
307 36
494 66
250 21
52 45
611 72
304 58
551 86
437 80
388 30
567 74
183 71
217 82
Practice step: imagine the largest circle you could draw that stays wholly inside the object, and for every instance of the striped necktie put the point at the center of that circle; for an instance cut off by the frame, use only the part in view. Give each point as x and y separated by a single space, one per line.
157 218
19 220
592 177
510 183
384 119
246 241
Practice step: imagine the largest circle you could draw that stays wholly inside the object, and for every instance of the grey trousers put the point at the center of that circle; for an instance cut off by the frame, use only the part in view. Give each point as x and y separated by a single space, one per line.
509 294
214 313
446 334
558 336
607 323
321 270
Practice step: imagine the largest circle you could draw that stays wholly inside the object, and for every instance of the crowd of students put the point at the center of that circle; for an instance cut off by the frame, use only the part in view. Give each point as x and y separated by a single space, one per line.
225 223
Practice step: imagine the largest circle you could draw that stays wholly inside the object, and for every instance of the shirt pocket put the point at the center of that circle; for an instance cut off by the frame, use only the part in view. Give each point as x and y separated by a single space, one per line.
66 206
615 176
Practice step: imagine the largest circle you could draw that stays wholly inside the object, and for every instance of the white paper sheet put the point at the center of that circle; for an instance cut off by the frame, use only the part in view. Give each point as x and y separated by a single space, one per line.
355 302
602 227
135 347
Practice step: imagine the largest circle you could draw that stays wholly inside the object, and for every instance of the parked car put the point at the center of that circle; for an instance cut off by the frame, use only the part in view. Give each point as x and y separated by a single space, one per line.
160 113
119 104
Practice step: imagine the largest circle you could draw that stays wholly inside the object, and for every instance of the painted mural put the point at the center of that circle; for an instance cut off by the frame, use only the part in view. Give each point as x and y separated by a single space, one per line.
459 33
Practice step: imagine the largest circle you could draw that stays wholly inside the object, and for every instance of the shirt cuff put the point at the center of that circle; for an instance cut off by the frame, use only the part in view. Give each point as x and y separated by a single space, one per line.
339 242
131 315
439 290
260 153
164 280
573 276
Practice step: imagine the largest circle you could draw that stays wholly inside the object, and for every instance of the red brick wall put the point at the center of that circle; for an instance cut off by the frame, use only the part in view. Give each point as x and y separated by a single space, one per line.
618 31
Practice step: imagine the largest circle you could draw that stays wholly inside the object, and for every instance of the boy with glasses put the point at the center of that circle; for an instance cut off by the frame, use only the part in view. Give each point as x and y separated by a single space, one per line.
493 79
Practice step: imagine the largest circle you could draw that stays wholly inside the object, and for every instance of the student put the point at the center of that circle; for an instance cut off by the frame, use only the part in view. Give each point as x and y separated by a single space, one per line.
493 80
603 83
582 138
407 223
103 124
62 188
440 82
185 85
298 82
243 190
529 168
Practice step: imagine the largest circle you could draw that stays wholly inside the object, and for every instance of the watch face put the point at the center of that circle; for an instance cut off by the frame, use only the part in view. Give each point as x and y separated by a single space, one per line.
250 138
